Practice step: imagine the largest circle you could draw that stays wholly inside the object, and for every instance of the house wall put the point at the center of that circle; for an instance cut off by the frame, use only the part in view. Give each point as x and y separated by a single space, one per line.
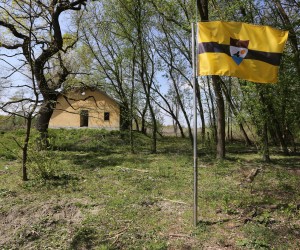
67 111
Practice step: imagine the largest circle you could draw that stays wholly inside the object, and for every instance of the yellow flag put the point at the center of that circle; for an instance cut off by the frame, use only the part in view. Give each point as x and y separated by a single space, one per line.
247 51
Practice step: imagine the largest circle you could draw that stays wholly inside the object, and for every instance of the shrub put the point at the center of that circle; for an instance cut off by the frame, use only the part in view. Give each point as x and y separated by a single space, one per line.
44 164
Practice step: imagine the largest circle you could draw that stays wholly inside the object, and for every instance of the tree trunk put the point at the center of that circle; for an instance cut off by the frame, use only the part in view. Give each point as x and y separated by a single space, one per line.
266 153
137 126
212 113
43 119
201 111
220 118
273 136
270 110
202 6
143 117
154 130
182 106
228 108
174 115
124 118
293 38
131 138
235 112
25 149
265 140
289 138
247 140
281 137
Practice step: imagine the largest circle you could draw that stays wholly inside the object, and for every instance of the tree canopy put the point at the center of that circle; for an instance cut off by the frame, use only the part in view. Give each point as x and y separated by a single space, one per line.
139 52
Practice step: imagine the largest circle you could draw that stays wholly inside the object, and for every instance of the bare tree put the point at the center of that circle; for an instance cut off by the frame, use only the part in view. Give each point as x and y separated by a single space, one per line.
25 105
36 24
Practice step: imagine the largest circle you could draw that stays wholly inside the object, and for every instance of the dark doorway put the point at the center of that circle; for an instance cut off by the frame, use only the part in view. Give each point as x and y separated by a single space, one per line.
84 118
106 116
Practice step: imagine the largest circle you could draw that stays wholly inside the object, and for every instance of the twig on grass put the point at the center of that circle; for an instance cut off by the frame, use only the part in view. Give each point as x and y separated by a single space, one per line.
180 235
173 201
253 173
134 169
116 236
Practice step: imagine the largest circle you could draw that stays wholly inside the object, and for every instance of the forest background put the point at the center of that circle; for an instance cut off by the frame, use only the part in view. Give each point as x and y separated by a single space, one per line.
140 54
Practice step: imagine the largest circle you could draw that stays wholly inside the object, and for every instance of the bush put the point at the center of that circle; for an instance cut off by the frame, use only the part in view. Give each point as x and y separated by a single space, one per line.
44 164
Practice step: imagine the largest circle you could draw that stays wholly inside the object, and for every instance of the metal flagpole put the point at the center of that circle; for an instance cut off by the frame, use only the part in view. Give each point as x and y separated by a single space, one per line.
195 129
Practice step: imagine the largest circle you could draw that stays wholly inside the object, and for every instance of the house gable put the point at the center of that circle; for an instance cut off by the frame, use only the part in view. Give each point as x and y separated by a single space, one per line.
86 108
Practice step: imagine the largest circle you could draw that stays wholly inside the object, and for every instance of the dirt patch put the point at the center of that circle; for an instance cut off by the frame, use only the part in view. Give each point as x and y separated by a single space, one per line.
29 221
171 207
294 171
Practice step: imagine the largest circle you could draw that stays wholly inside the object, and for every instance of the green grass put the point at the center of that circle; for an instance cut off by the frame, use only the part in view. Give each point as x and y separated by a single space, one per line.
88 192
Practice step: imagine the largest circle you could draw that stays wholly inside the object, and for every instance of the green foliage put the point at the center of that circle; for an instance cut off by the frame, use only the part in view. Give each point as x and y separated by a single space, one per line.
8 147
84 139
264 218
6 193
258 237
8 123
44 164
83 238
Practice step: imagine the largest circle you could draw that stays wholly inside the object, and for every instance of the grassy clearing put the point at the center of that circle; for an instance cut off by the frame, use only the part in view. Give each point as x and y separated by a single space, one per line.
89 192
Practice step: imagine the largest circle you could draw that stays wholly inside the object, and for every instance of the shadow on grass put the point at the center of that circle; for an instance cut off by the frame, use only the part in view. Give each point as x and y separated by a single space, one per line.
83 238
61 180
52 181
174 145
210 223
95 160
72 147
288 162
238 147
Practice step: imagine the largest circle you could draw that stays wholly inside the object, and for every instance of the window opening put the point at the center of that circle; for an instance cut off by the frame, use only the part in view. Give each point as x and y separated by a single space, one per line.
106 116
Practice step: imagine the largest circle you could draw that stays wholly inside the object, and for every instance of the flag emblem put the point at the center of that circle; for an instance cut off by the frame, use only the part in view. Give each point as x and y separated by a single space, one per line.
238 49
247 51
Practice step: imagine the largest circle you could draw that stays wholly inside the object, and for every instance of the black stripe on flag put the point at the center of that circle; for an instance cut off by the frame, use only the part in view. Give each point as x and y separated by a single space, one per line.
267 57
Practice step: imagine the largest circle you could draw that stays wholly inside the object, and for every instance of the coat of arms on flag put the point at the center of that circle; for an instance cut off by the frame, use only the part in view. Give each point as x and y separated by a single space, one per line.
238 49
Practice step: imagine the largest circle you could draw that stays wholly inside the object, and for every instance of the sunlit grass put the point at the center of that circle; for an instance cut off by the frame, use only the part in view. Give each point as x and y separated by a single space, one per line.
89 192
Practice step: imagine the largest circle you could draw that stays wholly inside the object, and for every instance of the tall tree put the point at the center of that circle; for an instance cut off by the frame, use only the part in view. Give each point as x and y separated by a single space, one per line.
174 46
118 39
202 6
176 69
39 19
26 104
113 56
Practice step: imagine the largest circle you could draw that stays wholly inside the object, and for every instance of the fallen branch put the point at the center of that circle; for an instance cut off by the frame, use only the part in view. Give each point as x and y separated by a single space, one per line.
134 169
180 235
116 236
253 173
173 201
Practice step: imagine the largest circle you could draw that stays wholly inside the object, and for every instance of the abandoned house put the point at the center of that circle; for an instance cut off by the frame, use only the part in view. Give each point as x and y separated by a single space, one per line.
86 107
